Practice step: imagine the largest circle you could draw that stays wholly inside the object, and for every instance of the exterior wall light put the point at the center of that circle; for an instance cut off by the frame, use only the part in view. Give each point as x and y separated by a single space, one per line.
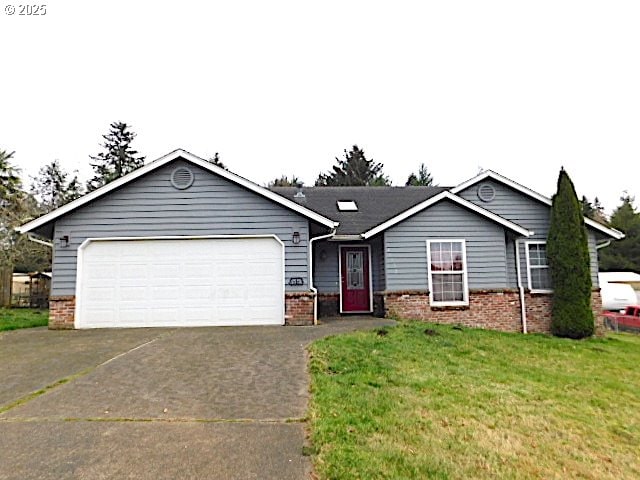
296 237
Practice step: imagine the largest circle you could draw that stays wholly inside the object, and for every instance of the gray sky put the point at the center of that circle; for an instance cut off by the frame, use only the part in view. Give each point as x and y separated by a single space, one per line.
283 87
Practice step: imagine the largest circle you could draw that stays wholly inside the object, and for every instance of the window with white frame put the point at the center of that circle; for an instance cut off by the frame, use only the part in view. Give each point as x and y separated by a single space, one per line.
538 273
447 272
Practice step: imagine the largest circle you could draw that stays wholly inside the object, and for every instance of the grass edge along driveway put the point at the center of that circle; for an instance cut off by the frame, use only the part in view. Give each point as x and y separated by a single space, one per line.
436 401
15 318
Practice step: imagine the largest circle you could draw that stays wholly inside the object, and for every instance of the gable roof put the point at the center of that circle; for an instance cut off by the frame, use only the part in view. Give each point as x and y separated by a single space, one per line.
446 195
375 204
151 166
611 232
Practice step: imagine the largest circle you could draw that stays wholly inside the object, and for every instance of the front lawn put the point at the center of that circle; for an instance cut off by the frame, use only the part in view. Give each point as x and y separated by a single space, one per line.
14 318
433 401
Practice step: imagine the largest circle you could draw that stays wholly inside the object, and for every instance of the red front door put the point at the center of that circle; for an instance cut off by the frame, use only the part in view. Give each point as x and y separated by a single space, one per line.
354 264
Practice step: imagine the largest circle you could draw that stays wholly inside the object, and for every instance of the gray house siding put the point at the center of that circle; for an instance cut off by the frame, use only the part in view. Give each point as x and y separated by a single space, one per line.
528 213
325 267
377 263
512 273
406 250
326 273
151 206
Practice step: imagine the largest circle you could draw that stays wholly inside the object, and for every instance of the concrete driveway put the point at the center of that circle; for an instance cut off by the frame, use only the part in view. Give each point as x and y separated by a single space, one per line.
224 403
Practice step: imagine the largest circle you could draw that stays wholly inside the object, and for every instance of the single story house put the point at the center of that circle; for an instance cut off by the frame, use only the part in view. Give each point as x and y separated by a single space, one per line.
183 242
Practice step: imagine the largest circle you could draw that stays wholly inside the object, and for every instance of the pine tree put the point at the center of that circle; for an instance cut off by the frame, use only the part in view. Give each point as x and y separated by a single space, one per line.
53 188
10 183
118 159
423 178
17 207
623 254
568 256
354 170
74 189
284 181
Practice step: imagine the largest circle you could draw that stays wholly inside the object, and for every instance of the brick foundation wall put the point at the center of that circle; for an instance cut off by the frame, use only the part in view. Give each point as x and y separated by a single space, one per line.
497 310
62 310
539 311
378 304
299 308
329 304
492 309
596 306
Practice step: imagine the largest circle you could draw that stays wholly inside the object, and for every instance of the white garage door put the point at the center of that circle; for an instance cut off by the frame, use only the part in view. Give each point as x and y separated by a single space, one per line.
180 282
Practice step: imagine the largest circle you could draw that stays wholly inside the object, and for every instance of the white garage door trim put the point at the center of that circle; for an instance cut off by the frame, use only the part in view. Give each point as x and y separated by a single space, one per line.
88 241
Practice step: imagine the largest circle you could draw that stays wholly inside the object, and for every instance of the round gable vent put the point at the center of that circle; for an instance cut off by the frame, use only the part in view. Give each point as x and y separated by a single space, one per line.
182 178
486 192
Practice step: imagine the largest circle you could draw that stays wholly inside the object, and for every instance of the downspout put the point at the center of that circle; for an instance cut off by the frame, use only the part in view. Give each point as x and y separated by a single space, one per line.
603 245
311 287
37 240
523 307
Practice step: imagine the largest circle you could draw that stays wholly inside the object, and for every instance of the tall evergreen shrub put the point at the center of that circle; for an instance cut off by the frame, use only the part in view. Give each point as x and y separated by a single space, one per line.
568 255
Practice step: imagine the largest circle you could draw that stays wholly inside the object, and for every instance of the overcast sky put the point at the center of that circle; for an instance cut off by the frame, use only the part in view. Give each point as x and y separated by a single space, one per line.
284 87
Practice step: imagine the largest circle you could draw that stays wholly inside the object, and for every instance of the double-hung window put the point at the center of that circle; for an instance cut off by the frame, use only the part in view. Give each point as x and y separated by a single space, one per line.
447 269
538 274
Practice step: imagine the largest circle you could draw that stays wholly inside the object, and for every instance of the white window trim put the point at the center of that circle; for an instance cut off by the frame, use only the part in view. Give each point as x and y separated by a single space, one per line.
526 253
465 281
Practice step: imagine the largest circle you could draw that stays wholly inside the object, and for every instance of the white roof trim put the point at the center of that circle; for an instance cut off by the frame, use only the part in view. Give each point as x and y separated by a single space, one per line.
612 232
446 195
149 167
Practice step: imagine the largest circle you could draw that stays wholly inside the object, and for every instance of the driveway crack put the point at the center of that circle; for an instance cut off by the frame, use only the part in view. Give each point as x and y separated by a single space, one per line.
30 396
157 420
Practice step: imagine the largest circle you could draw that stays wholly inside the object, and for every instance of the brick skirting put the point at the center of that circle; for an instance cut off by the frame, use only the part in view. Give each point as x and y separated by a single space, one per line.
329 304
539 311
298 308
492 309
62 310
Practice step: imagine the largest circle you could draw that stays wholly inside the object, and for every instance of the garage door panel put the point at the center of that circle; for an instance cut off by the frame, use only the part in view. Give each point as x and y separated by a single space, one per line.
134 271
165 293
132 293
181 282
102 271
101 294
194 292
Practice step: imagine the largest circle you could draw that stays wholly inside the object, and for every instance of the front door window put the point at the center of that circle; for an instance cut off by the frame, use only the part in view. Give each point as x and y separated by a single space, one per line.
355 273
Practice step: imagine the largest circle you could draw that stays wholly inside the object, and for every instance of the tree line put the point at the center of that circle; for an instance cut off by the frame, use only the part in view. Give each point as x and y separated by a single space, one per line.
53 187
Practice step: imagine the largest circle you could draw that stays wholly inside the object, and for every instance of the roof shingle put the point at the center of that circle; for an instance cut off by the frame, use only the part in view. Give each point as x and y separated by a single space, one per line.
376 205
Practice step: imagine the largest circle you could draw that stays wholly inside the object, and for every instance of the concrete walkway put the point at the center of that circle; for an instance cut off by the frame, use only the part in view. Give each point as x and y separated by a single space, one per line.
224 403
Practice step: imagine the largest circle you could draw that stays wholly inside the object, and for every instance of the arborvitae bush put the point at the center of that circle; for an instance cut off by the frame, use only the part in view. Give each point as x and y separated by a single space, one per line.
568 255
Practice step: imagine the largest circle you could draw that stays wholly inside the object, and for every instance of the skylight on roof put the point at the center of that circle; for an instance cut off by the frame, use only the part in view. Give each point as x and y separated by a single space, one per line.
347 206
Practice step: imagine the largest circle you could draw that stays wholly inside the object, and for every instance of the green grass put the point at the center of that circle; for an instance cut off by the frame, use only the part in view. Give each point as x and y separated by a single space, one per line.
474 404
14 318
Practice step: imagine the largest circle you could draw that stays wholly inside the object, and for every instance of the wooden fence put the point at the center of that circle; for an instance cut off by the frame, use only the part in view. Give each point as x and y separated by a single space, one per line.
6 279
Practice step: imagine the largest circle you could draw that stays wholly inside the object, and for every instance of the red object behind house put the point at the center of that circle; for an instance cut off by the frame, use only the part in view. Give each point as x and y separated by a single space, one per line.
630 319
